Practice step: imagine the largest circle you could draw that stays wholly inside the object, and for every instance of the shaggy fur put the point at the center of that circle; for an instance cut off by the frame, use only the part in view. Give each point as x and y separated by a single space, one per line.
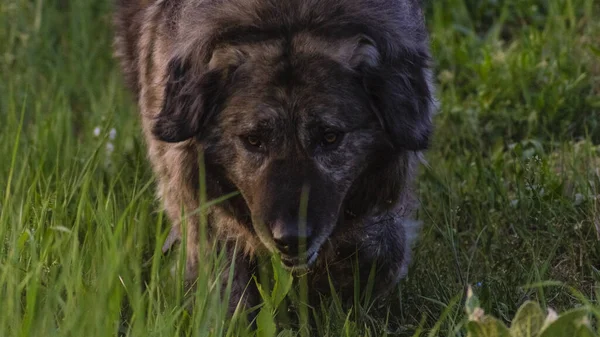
324 105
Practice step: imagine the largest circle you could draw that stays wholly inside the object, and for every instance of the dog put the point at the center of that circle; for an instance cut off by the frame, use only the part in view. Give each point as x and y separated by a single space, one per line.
315 112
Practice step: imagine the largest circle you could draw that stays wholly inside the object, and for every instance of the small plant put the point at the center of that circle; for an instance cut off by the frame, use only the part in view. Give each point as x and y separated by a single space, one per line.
530 321
266 324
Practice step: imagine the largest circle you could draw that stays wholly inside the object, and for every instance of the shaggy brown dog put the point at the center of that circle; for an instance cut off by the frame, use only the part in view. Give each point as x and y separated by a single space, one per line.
325 99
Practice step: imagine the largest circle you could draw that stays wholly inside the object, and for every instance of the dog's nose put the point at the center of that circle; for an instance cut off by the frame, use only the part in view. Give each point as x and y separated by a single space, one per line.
290 242
292 245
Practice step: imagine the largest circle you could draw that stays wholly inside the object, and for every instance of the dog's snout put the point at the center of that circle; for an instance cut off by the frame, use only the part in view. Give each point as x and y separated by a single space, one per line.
292 245
290 239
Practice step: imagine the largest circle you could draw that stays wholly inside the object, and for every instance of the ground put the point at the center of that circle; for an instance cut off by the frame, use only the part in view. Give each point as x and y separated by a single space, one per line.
510 200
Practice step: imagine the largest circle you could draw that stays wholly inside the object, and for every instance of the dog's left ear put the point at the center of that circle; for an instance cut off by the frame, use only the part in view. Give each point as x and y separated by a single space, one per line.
401 92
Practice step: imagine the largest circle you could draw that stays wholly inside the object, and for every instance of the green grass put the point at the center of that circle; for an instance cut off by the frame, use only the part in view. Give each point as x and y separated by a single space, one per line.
510 203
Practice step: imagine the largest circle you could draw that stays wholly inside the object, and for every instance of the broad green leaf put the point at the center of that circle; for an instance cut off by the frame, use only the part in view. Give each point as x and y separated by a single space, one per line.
585 331
263 294
265 323
567 324
528 321
488 326
283 282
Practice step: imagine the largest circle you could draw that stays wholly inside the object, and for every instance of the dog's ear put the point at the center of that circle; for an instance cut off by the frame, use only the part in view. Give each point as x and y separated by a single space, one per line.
192 99
401 92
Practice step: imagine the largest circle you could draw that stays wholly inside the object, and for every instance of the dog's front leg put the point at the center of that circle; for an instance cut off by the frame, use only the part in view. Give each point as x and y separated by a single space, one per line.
386 246
377 248
243 293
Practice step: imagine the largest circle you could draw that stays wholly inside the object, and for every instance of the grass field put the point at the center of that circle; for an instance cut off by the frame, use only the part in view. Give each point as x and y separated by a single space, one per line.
510 201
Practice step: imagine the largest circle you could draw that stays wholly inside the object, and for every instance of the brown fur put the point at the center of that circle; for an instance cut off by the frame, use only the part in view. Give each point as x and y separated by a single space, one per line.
206 72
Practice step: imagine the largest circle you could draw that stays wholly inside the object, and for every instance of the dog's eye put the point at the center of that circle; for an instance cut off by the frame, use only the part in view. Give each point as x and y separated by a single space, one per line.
330 138
253 143
253 140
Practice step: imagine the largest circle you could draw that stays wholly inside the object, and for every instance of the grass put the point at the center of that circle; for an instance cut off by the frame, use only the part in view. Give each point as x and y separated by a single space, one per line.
510 202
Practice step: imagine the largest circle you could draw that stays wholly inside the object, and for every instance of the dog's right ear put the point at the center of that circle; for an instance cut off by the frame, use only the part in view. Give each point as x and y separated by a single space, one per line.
191 99
183 106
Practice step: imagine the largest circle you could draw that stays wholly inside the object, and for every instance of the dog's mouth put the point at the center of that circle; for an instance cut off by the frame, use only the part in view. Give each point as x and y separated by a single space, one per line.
298 263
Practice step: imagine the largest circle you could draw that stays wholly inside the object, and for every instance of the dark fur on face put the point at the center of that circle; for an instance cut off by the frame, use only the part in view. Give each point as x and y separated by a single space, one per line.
314 110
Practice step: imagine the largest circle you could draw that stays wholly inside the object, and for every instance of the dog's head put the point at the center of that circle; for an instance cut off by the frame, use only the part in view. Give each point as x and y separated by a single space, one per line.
294 123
